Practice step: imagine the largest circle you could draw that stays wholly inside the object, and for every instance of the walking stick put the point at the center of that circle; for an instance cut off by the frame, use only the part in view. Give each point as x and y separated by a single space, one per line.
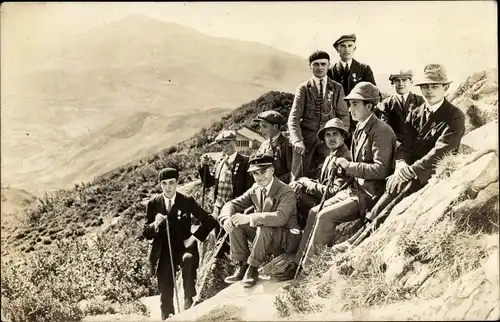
172 266
205 170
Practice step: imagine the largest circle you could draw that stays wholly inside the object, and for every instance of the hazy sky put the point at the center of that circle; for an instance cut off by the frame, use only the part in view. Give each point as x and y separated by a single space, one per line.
460 34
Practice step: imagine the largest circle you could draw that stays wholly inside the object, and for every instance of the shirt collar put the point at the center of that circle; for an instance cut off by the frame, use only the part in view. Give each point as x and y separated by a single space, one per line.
231 158
361 125
347 62
316 80
433 108
269 185
275 138
173 199
405 95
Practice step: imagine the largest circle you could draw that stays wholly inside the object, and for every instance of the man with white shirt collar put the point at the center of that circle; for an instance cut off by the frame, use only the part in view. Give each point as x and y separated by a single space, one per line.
432 130
272 227
177 209
317 101
279 145
394 109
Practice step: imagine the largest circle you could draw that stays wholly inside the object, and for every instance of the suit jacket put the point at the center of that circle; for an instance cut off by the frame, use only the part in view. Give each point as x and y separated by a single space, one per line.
395 114
424 144
240 177
282 151
373 160
278 210
357 72
305 120
318 187
179 219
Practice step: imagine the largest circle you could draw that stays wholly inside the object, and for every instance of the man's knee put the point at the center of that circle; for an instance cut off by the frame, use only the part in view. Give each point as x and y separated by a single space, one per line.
265 231
187 258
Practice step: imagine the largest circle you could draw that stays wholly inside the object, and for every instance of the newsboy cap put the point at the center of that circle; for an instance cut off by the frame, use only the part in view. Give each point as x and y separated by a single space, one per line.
433 74
402 74
364 91
260 161
226 135
168 173
271 117
343 38
334 123
318 55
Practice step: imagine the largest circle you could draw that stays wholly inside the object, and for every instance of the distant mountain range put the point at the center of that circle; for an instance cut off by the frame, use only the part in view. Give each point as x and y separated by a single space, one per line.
122 91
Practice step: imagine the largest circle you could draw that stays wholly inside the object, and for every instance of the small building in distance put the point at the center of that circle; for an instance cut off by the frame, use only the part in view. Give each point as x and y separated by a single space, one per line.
247 141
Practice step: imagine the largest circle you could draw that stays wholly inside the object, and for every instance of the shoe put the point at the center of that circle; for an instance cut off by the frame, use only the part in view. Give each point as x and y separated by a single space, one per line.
251 276
288 273
188 302
238 274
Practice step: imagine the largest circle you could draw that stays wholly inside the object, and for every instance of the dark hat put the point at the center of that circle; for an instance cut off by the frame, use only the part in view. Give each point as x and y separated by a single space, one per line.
364 91
226 135
334 123
433 74
272 117
318 55
168 173
260 161
402 74
343 38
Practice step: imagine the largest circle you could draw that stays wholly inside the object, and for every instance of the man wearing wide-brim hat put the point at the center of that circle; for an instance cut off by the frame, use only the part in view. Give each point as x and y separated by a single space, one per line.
270 123
433 129
394 109
272 226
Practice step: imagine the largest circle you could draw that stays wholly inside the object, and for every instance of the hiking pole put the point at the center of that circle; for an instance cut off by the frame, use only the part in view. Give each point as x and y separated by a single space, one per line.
172 266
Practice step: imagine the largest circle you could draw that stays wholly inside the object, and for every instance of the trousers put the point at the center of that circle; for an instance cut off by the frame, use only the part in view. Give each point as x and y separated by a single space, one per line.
309 164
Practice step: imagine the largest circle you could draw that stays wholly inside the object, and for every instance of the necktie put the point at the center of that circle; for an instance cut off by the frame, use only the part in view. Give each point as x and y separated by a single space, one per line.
345 79
427 114
262 198
319 102
169 206
402 98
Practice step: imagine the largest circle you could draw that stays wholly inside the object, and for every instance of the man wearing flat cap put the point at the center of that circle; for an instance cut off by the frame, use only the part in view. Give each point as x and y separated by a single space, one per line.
276 143
394 109
317 101
272 227
372 151
433 129
177 209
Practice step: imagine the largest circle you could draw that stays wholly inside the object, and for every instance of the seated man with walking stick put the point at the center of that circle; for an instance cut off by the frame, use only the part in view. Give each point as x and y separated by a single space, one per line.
168 225
272 227
432 130
373 149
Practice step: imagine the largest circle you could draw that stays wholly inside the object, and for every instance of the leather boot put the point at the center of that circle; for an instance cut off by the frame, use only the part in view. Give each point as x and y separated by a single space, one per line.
188 302
251 276
288 273
238 274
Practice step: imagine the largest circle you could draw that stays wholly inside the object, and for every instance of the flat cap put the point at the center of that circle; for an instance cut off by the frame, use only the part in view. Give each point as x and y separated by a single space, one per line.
343 38
318 55
272 117
226 135
260 161
334 123
364 91
168 173
433 74
403 73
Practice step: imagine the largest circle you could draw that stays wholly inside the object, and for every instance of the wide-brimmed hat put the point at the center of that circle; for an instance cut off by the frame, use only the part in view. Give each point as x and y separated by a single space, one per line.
260 161
433 74
334 123
364 91
343 38
271 117
403 73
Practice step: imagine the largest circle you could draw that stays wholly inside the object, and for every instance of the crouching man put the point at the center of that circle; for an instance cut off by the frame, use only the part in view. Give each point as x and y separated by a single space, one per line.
272 227
177 209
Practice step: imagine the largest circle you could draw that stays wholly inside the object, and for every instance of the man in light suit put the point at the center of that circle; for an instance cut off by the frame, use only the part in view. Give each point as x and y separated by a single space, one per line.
317 101
432 130
394 109
276 143
373 150
272 227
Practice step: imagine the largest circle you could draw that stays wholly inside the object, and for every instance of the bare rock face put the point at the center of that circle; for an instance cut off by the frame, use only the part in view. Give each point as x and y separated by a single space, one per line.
484 137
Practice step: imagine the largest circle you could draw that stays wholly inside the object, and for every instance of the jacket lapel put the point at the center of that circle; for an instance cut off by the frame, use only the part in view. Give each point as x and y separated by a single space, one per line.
324 167
269 202
364 136
438 115
312 89
353 74
329 88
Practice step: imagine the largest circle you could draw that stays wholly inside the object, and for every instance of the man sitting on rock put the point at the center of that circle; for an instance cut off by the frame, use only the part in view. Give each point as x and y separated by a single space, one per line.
308 191
272 228
177 209
276 143
373 149
432 130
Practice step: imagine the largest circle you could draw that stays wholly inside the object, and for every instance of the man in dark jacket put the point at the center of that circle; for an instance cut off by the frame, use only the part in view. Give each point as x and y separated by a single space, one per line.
174 210
276 144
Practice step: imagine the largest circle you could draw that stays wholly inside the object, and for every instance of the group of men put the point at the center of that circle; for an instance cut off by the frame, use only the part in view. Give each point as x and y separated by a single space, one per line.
346 157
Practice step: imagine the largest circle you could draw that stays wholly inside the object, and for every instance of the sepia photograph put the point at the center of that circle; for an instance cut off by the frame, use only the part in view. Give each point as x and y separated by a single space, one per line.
249 161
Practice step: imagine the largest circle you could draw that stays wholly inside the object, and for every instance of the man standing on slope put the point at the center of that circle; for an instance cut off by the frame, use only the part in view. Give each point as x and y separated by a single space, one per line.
395 109
276 143
272 227
317 101
432 130
177 209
